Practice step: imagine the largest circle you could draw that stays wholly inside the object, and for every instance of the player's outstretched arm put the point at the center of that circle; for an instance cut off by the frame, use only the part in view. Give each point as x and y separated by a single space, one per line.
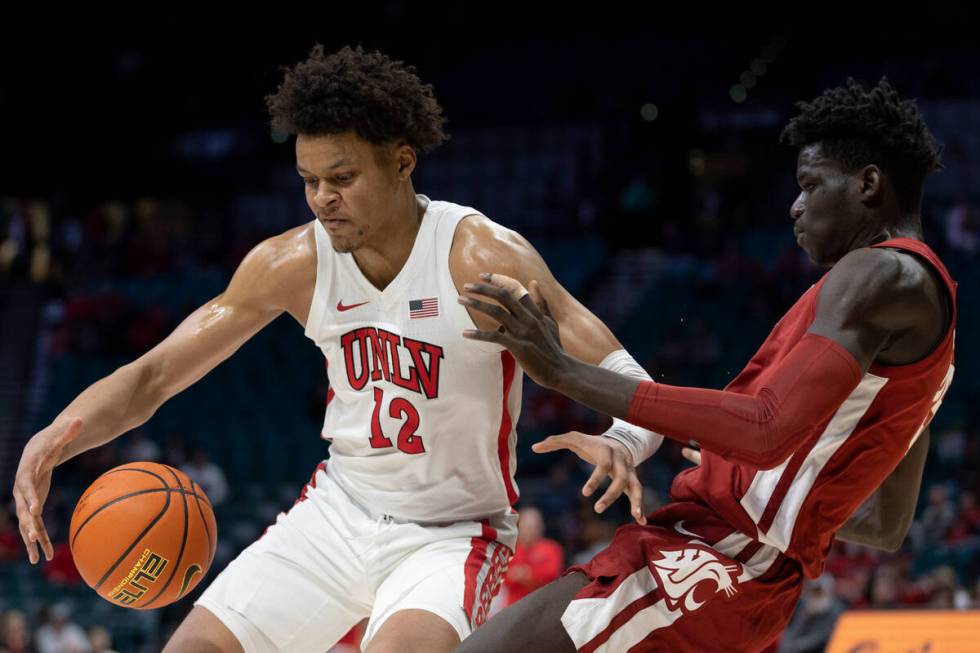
869 296
481 244
130 395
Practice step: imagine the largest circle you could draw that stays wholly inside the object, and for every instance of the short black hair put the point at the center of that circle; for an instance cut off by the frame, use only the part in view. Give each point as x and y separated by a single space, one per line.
379 99
858 126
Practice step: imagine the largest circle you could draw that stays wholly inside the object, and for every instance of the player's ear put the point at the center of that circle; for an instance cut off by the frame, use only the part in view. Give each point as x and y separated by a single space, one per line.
870 184
404 156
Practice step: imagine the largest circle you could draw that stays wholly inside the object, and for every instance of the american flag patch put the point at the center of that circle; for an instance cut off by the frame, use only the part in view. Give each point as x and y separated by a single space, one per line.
423 307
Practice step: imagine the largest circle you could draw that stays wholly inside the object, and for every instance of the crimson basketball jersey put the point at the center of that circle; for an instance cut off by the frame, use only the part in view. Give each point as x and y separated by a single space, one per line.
800 504
420 420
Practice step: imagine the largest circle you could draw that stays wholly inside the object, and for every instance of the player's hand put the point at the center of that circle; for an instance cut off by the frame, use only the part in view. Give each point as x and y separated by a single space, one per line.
611 458
527 327
692 455
33 481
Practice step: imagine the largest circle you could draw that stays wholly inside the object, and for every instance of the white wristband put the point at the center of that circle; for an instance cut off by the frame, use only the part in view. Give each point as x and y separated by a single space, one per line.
640 442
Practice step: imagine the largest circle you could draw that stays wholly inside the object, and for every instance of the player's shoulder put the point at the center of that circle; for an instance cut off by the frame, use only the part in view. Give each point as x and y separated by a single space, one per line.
879 270
290 250
282 264
881 283
480 242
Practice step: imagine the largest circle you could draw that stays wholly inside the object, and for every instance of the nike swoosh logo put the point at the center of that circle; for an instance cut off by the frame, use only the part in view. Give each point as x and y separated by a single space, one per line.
188 575
342 308
679 527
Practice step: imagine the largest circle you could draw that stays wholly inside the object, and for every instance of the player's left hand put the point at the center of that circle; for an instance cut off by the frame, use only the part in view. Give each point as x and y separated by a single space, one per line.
528 329
611 459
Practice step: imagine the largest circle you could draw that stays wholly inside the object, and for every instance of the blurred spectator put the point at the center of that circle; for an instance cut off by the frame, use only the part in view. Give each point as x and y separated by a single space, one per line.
885 588
937 517
208 475
141 448
597 533
15 636
967 522
812 624
963 226
60 634
941 586
951 446
175 450
537 560
100 639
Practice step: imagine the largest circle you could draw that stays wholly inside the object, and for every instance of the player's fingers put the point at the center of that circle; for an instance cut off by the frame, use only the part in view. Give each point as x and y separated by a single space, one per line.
508 294
550 443
532 301
568 441
534 289
511 285
598 476
496 312
41 533
634 489
486 336
25 496
502 295
27 534
692 455
620 476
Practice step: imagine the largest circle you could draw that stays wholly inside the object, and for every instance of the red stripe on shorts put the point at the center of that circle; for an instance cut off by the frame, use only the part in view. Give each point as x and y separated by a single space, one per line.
503 435
474 562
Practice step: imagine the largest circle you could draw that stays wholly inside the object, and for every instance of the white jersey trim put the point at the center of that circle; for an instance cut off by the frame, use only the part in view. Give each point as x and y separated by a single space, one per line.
838 430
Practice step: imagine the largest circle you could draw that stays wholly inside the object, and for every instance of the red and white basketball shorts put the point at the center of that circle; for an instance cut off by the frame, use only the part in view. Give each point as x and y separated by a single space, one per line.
687 581
329 562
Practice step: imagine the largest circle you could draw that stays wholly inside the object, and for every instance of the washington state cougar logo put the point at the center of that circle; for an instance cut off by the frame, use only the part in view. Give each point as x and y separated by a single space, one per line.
680 572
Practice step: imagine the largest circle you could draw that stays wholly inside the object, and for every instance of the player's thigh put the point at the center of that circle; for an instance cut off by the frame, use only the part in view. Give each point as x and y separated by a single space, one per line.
414 631
298 588
531 624
452 576
202 632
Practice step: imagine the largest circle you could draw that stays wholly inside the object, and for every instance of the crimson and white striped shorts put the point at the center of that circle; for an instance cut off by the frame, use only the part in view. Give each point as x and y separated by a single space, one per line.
687 581
329 562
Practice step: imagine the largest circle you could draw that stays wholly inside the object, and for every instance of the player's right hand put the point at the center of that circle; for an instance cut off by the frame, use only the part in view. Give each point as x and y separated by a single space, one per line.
611 459
33 481
692 454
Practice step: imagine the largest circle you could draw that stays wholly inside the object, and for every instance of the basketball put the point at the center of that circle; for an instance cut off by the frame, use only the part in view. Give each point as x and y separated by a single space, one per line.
143 535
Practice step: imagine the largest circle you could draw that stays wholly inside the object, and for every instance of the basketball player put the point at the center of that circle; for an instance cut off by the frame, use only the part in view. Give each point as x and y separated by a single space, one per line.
839 395
409 523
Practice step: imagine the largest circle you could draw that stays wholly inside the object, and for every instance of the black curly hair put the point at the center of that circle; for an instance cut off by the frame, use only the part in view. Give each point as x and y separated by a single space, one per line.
379 99
857 126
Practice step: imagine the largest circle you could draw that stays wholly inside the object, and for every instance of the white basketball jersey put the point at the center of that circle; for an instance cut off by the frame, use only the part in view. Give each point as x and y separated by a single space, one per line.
420 420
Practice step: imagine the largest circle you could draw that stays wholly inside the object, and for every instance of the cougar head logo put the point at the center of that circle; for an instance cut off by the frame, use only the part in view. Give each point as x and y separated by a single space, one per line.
679 572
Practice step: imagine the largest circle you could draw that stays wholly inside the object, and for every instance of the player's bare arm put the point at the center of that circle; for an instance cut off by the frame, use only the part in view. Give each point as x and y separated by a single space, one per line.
275 276
481 244
884 519
872 301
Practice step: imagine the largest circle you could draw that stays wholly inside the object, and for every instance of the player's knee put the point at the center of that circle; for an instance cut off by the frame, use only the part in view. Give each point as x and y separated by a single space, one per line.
419 646
202 632
414 631
193 644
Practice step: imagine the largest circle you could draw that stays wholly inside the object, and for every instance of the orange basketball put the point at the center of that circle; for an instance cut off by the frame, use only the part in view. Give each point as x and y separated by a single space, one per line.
143 535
